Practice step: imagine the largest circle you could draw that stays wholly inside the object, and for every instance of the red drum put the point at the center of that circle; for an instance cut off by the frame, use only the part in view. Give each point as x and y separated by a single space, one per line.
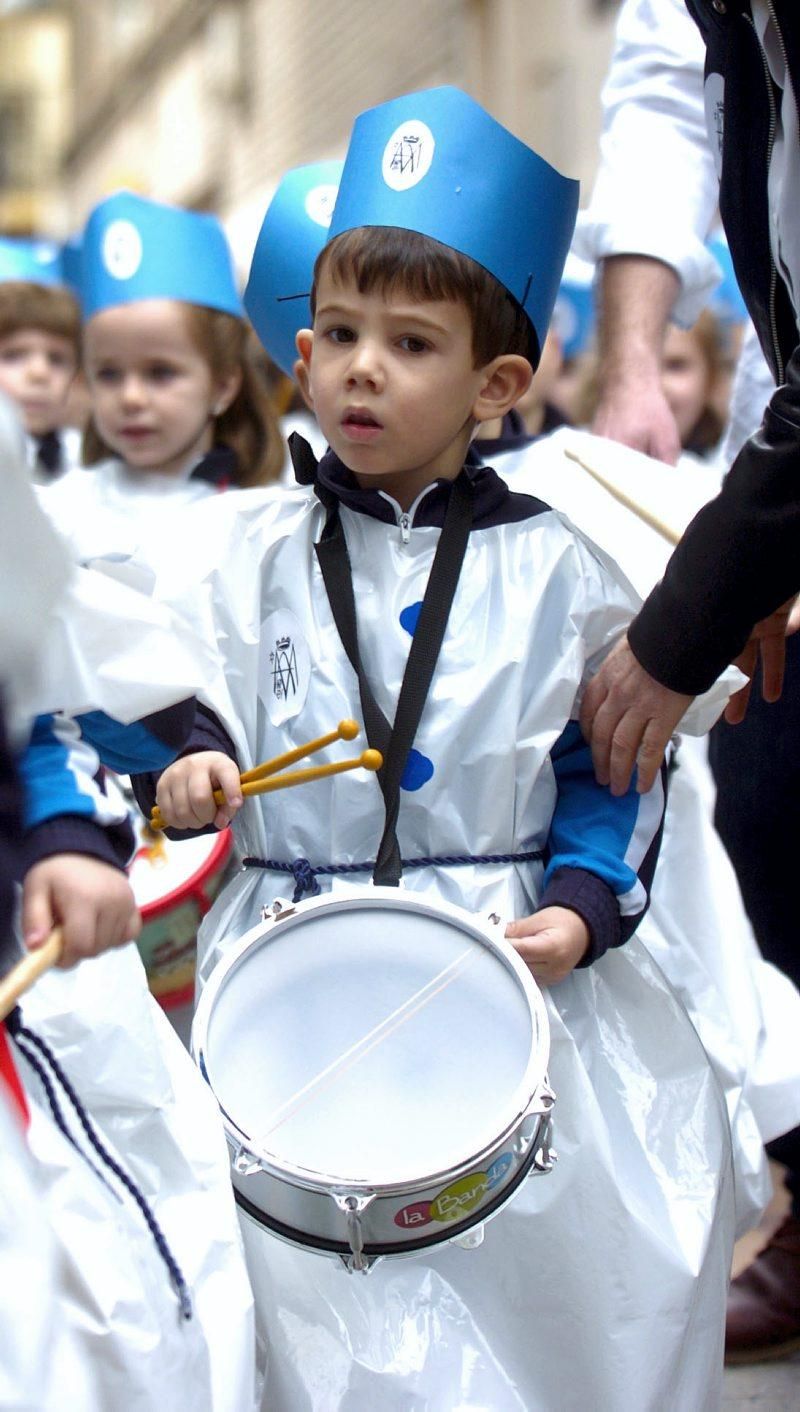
174 884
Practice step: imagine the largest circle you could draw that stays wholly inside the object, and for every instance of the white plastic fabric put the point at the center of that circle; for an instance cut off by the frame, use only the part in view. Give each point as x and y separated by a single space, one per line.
745 1011
110 1293
604 1284
73 639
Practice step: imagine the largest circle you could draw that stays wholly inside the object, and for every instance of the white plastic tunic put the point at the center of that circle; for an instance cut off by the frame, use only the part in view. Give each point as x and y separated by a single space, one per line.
604 1284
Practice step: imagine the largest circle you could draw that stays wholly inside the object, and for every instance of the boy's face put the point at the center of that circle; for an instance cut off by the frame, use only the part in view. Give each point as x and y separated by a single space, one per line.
393 385
36 370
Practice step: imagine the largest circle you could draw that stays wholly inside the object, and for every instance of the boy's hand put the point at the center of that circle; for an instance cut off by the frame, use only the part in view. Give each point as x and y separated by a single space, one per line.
185 794
91 901
550 942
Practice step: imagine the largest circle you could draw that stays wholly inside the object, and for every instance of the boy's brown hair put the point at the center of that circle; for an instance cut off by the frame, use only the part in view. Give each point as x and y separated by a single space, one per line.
46 308
249 426
385 259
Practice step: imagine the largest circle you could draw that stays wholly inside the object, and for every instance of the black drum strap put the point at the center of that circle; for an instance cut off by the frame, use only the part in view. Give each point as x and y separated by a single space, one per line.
395 742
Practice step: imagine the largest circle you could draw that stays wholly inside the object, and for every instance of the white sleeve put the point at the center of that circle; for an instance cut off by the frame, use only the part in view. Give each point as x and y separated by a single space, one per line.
656 190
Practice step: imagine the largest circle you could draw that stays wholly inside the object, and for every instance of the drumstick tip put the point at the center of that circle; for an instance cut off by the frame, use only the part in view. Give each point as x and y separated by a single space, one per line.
348 729
372 759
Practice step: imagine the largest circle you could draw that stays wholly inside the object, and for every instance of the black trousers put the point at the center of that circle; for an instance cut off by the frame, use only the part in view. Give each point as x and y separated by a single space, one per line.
756 766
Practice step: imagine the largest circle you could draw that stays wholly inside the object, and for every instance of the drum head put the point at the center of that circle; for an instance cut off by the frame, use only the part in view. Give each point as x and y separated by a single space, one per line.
371 1040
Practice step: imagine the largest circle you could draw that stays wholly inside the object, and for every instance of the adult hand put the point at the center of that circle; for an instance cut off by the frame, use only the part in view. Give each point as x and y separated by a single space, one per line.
628 718
638 415
767 641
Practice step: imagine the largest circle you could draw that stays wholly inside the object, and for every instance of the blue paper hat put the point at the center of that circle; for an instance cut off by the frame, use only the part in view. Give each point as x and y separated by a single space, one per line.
574 316
435 162
37 261
293 232
726 301
72 264
136 249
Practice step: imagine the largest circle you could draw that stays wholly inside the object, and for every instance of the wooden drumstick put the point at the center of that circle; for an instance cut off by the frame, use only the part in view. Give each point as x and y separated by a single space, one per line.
660 526
368 760
346 730
28 970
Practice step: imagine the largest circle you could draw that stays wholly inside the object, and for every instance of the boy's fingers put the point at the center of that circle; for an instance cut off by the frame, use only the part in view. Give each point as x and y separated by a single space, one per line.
228 781
37 913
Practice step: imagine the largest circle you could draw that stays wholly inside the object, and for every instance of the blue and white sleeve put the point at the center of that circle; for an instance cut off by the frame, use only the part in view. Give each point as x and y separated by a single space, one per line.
602 849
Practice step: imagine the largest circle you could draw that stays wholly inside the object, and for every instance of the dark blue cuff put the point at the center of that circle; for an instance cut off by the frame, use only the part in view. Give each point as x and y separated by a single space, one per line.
70 833
594 902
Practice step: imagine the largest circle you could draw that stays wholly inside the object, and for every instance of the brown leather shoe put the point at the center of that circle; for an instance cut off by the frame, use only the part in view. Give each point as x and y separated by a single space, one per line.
764 1302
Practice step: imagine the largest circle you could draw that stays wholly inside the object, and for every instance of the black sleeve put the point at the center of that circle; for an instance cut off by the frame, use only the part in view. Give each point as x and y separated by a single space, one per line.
207 733
738 561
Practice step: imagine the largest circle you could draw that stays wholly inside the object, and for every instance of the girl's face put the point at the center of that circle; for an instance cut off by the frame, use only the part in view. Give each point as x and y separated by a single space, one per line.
685 378
153 394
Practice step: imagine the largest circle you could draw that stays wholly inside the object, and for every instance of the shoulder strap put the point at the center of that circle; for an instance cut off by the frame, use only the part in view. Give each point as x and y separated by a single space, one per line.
394 742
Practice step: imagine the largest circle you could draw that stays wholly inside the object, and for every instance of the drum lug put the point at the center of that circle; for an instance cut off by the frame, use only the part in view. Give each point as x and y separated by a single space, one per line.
353 1205
277 910
546 1157
245 1164
471 1239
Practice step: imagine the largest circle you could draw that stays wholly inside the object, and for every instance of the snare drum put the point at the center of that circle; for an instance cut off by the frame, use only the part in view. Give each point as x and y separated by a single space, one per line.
174 884
379 1060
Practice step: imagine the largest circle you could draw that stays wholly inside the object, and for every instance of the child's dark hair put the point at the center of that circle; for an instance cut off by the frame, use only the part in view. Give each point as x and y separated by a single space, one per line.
386 259
249 426
44 307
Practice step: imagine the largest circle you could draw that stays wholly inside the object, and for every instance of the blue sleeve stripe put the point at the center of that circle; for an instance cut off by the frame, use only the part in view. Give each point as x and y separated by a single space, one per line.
130 750
58 771
592 829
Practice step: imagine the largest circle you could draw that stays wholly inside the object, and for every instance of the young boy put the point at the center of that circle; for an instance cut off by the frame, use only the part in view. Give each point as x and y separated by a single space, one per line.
40 327
431 303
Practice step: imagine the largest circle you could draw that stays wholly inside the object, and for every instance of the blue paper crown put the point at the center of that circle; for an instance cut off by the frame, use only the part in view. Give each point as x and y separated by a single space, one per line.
293 232
36 261
135 249
435 162
72 263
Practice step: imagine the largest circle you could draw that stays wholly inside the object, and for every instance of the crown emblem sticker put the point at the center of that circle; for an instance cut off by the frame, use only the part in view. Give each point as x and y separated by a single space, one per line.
319 203
408 155
286 667
122 249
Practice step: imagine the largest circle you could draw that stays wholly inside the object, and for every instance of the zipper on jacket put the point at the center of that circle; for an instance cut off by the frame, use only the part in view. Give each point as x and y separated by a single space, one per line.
405 527
773 122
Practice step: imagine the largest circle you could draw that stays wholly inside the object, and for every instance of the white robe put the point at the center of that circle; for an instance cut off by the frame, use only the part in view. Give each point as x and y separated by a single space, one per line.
604 1283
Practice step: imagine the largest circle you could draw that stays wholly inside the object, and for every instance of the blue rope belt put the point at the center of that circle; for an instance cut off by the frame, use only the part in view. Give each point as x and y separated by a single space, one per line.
305 875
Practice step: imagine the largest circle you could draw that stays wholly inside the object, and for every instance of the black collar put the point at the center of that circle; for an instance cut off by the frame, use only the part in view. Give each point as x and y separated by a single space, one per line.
218 467
493 502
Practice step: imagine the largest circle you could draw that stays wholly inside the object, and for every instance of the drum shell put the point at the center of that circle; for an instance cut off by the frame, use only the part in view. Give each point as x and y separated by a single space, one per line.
325 1213
394 1220
167 942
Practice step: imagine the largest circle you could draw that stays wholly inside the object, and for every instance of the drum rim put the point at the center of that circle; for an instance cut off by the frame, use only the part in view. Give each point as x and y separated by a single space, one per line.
525 1095
183 892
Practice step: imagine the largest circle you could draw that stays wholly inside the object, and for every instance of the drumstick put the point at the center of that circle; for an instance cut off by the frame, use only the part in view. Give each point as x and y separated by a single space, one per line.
367 760
666 531
346 730
26 971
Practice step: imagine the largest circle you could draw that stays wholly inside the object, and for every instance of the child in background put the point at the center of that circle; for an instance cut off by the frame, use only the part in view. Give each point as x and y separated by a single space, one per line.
178 410
40 333
692 369
602 1285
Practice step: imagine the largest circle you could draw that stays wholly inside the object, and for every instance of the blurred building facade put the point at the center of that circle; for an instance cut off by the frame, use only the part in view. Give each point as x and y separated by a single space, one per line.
35 113
207 102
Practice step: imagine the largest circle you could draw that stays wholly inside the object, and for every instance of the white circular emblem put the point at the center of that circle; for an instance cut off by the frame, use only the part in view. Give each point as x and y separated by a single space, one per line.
122 249
320 202
408 155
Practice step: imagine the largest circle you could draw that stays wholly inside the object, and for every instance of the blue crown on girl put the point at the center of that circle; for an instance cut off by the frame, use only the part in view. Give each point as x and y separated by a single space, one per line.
134 248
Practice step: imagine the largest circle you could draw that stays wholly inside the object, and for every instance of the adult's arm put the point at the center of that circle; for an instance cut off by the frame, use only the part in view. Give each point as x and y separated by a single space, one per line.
651 208
730 579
